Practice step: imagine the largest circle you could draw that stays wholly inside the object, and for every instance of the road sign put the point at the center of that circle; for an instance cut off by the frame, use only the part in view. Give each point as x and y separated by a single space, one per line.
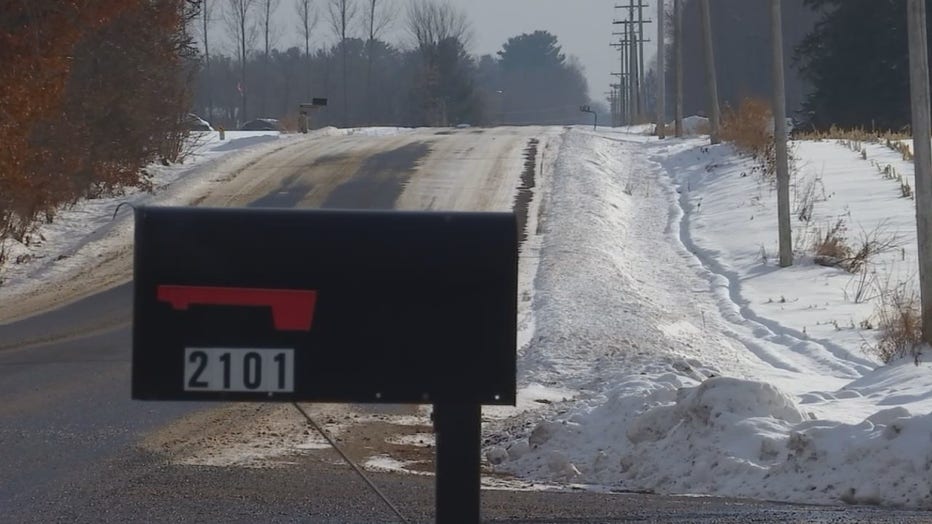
335 306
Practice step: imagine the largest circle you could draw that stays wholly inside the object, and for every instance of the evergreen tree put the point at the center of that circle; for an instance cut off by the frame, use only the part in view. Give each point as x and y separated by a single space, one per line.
741 37
858 63
538 84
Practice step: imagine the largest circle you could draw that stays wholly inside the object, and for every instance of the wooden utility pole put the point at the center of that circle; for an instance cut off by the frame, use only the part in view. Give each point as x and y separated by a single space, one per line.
622 74
642 73
633 57
779 136
678 64
635 75
711 83
922 153
623 98
613 104
661 73
626 80
205 19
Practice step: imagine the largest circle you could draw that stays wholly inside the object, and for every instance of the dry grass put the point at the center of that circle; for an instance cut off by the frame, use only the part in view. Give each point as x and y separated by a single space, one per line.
830 245
750 127
809 191
855 135
871 244
899 320
289 123
901 147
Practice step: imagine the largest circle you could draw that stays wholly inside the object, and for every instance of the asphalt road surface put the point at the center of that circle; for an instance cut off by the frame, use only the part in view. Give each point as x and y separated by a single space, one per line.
70 437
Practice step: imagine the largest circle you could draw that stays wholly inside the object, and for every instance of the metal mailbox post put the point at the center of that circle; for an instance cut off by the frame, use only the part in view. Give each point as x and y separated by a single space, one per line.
333 306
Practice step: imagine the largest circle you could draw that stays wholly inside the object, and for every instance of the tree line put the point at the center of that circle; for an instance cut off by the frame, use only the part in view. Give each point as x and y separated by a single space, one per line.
847 60
91 92
94 91
857 61
741 39
428 79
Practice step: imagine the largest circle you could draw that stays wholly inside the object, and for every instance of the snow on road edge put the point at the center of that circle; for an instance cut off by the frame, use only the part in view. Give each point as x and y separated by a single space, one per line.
730 407
87 234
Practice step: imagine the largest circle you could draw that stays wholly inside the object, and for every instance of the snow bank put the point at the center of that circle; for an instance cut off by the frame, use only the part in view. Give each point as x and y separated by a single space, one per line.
699 366
732 437
80 233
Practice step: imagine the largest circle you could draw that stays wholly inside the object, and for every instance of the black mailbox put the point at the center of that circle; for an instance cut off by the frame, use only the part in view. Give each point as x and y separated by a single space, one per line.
331 306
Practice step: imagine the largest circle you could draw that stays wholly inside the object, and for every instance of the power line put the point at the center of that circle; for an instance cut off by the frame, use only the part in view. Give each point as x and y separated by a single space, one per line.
631 48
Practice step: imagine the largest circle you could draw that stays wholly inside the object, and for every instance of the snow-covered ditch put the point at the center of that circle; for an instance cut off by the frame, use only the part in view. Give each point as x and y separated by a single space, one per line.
686 360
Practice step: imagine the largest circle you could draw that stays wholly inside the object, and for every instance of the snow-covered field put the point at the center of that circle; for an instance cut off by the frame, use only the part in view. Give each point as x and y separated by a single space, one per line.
681 359
661 347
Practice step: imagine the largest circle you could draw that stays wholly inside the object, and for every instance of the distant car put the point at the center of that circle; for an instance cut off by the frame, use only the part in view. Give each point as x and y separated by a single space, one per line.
196 123
463 126
261 124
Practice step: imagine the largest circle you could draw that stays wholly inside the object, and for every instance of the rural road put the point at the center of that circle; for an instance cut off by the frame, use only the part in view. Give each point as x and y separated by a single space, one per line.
74 447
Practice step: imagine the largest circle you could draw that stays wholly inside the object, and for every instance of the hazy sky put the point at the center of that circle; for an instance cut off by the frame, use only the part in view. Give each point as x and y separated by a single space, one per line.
583 27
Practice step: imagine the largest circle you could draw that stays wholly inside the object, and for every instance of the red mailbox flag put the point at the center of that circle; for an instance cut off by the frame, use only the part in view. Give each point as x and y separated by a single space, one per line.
292 310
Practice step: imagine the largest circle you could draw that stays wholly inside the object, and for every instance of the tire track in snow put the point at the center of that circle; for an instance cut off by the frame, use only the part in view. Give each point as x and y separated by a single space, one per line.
726 287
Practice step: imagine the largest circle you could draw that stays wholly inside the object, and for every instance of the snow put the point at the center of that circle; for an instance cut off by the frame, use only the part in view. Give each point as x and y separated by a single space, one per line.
694 125
389 464
690 363
661 347
82 234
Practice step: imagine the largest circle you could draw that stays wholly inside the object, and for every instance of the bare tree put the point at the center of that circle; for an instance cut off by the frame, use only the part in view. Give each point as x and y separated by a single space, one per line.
268 9
342 13
242 32
206 15
307 21
377 18
430 22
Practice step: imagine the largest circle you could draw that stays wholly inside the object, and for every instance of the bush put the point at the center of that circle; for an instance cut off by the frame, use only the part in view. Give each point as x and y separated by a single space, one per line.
750 129
93 92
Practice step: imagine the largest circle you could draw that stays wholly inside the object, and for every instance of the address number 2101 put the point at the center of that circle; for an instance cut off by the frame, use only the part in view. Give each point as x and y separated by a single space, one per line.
239 370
